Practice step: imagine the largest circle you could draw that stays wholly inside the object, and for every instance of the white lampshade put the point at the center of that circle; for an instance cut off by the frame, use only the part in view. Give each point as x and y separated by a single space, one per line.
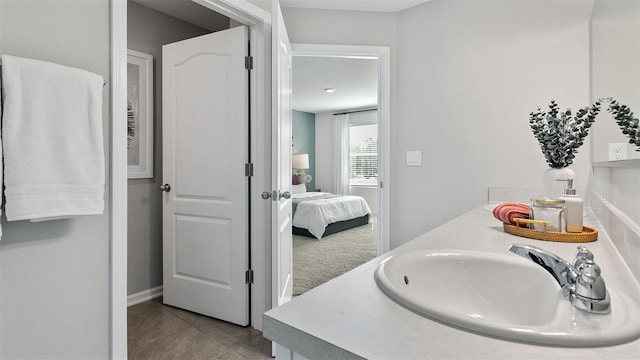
300 161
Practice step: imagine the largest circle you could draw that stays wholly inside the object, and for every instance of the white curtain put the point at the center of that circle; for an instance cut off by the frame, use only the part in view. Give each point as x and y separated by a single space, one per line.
341 154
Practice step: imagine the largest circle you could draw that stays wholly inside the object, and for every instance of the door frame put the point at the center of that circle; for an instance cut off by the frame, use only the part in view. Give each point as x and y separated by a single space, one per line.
259 23
382 54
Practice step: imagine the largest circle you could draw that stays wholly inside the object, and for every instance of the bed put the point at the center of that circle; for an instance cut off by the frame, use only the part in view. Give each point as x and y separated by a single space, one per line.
318 214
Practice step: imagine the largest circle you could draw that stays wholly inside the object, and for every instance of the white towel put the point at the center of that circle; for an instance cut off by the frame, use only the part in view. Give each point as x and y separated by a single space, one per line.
52 140
1 162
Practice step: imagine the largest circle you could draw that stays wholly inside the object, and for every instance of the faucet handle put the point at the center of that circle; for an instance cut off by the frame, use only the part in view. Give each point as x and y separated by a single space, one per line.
589 283
590 269
582 255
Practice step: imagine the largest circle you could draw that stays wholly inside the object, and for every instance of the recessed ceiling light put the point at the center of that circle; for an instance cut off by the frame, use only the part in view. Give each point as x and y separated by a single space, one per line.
329 90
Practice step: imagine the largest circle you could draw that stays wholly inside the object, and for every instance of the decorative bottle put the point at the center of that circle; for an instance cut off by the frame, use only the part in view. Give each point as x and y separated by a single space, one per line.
573 207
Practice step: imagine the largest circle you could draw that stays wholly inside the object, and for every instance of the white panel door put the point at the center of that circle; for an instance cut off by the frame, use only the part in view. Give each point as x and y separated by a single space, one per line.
205 148
282 287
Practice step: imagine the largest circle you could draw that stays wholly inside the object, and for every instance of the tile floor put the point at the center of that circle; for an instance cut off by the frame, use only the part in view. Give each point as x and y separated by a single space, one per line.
158 331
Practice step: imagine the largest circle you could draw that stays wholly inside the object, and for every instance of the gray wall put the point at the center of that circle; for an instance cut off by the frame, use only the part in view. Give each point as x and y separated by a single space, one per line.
148 30
54 276
465 76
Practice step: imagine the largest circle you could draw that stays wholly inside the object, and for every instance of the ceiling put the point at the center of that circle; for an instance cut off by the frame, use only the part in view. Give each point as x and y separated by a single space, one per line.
355 81
193 13
188 11
356 5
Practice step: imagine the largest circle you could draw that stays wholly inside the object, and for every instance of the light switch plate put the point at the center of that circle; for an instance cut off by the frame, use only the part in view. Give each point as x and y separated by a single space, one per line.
414 158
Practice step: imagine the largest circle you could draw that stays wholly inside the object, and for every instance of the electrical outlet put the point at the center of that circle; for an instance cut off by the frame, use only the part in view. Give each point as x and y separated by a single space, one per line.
617 151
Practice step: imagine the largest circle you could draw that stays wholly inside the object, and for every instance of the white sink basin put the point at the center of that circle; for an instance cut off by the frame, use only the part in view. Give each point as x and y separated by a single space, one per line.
501 295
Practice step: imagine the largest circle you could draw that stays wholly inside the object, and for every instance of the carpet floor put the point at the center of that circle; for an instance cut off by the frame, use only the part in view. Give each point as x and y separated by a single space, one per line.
318 261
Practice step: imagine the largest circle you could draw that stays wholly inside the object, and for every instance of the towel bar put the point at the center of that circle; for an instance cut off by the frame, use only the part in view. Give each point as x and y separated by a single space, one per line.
104 82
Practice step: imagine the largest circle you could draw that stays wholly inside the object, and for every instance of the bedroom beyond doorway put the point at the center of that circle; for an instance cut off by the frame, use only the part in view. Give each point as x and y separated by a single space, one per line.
336 130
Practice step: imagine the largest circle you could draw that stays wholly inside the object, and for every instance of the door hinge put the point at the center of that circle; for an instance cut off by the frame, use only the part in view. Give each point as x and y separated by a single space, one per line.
381 185
249 276
248 169
248 62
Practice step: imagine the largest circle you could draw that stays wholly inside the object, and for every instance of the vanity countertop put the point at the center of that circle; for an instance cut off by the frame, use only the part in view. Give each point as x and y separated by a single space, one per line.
350 317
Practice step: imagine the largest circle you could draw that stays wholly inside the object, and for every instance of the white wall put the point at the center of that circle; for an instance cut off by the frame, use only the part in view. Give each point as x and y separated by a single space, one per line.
369 193
615 200
54 276
263 4
615 69
465 75
311 26
363 118
615 190
465 87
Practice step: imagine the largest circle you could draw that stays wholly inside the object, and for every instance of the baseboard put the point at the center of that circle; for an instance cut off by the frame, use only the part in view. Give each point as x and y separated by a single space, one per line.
143 296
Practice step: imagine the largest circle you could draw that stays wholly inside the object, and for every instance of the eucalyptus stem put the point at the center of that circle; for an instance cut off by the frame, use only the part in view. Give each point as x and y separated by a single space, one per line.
560 134
625 120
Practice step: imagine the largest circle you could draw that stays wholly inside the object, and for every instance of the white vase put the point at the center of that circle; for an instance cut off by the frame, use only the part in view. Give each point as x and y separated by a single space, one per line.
553 189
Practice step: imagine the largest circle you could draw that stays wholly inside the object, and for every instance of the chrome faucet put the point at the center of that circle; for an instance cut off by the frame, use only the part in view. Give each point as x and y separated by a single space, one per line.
581 281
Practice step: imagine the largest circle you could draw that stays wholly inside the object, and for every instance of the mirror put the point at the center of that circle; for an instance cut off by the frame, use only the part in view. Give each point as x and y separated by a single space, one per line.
615 72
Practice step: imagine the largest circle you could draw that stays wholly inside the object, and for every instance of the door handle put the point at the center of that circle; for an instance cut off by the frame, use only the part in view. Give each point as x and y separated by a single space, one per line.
286 195
275 195
165 187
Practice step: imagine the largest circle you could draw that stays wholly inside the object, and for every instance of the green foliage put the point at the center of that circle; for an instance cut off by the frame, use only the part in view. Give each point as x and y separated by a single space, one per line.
625 120
560 133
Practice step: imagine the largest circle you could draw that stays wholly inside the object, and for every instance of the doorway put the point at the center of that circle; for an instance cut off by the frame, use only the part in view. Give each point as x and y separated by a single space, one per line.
381 57
335 100
188 237
241 13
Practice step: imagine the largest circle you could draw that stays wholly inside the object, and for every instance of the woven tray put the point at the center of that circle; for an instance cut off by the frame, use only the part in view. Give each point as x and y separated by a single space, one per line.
587 235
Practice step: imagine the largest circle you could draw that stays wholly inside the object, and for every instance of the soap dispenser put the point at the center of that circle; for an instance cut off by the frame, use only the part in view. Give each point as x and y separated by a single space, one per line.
573 207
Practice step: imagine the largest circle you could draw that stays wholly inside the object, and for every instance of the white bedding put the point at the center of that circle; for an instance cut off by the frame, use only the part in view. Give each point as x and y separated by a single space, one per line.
315 215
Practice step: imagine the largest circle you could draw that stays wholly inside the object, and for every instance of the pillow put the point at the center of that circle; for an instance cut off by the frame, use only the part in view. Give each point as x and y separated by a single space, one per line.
300 188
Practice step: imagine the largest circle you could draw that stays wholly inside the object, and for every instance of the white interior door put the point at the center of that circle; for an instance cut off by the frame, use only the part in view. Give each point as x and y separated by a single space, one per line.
282 287
205 149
